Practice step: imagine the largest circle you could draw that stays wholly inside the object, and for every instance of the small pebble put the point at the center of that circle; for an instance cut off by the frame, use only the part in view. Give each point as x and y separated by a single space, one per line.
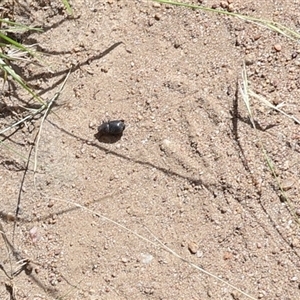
293 279
146 258
257 37
260 296
193 247
157 17
199 254
53 282
277 47
287 184
227 255
124 260
165 145
296 243
57 252
224 4
10 217
230 7
34 235
250 59
51 203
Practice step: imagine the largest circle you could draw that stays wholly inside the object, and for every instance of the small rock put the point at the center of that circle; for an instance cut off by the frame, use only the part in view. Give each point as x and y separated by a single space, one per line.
224 4
165 145
260 296
293 279
146 258
276 101
287 184
230 7
104 70
223 210
257 37
296 243
199 253
150 22
124 260
227 255
57 252
10 217
34 235
50 203
250 59
277 47
157 17
193 247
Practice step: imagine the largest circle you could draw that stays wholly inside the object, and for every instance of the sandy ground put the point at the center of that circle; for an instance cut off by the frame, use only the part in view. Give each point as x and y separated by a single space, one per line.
189 171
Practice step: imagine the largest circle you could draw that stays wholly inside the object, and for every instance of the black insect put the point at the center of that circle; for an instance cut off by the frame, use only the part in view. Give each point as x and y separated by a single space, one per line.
112 128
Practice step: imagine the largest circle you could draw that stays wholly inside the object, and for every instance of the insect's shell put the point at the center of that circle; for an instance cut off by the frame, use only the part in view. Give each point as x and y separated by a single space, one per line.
115 127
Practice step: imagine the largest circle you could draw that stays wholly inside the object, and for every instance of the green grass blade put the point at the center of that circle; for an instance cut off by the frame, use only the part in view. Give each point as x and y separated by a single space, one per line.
14 151
17 27
7 69
274 26
67 6
15 44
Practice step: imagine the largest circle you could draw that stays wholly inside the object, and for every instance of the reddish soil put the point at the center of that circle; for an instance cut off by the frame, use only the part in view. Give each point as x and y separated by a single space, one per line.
189 169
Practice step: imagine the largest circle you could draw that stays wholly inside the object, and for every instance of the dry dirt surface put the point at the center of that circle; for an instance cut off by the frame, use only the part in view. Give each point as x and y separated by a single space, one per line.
189 172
